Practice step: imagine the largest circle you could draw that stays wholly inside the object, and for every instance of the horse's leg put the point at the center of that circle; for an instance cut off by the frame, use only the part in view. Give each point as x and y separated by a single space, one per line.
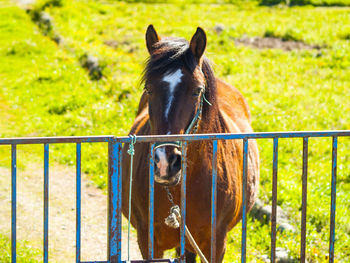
190 257
142 240
220 248
220 255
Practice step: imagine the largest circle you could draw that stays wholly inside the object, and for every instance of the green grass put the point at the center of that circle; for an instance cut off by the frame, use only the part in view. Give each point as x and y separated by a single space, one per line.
45 92
25 253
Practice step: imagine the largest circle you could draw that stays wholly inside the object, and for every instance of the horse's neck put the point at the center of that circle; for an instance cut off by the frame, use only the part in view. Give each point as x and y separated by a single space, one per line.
212 122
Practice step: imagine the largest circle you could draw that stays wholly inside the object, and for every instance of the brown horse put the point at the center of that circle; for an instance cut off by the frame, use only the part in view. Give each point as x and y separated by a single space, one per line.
176 77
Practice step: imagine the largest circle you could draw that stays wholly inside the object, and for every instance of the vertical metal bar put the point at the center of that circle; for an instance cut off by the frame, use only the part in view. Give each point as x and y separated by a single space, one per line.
244 200
46 202
114 201
183 202
274 199
333 199
78 203
151 206
213 203
304 200
119 204
13 202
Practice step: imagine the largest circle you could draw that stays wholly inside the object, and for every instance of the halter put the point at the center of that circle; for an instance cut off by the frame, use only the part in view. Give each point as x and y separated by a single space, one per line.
193 125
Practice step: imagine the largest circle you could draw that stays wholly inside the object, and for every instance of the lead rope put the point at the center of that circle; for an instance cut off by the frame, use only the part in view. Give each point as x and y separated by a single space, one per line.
131 152
174 219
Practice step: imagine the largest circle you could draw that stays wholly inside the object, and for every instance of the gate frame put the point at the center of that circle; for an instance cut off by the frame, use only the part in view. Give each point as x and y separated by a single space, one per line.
115 187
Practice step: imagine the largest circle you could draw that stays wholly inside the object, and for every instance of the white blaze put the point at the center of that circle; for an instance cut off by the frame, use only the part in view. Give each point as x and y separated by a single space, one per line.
173 79
163 162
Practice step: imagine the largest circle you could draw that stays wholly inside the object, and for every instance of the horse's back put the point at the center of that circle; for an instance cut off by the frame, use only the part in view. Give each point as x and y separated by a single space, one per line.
235 112
233 105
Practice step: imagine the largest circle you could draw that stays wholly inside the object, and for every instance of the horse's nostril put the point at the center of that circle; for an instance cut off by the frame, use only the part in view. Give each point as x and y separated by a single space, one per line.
175 162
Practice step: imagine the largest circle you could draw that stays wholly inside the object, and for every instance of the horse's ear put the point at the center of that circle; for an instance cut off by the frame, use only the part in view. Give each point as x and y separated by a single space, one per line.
198 43
151 38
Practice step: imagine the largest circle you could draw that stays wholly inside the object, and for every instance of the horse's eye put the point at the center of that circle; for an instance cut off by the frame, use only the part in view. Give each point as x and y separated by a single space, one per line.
197 92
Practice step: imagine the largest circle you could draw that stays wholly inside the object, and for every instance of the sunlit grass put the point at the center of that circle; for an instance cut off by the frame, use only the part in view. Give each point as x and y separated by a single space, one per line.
25 252
45 92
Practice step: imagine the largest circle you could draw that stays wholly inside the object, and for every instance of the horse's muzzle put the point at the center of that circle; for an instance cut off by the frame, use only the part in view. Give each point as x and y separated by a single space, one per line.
167 165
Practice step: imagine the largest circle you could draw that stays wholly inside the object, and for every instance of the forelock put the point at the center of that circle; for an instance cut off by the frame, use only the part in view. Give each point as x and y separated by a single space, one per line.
169 55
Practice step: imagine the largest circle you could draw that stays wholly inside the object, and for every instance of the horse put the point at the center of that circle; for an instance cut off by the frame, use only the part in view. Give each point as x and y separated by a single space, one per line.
176 78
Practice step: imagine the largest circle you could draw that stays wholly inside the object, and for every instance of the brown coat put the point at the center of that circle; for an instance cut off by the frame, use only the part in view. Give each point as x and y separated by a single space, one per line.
231 116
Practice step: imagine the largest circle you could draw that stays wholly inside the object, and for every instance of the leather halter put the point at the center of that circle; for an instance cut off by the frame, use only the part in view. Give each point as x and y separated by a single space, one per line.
193 125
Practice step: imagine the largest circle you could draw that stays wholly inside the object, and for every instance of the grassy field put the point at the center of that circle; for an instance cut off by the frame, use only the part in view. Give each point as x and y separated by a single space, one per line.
44 91
25 253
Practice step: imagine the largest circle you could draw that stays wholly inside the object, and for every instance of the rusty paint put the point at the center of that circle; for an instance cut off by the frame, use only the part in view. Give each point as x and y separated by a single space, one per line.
78 203
274 200
114 203
13 202
213 202
151 206
304 200
333 199
46 202
244 201
183 203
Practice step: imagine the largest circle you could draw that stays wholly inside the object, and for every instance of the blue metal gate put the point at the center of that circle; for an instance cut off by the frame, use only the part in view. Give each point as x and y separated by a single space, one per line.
115 188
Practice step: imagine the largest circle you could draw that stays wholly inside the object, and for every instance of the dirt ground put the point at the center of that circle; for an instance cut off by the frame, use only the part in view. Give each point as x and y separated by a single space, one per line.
61 214
274 42
62 208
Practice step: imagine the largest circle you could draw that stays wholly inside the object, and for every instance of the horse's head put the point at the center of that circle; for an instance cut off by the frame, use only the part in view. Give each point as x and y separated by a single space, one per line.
175 84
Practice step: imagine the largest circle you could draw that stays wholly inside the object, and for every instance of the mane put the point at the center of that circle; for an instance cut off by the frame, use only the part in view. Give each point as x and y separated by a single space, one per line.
170 54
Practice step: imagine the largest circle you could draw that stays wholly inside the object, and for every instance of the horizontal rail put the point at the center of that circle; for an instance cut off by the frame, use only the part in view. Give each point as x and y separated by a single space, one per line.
138 261
230 136
65 139
176 137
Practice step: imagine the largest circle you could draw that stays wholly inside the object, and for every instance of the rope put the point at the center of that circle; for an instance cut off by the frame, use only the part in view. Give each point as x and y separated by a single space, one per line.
174 219
207 101
131 152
